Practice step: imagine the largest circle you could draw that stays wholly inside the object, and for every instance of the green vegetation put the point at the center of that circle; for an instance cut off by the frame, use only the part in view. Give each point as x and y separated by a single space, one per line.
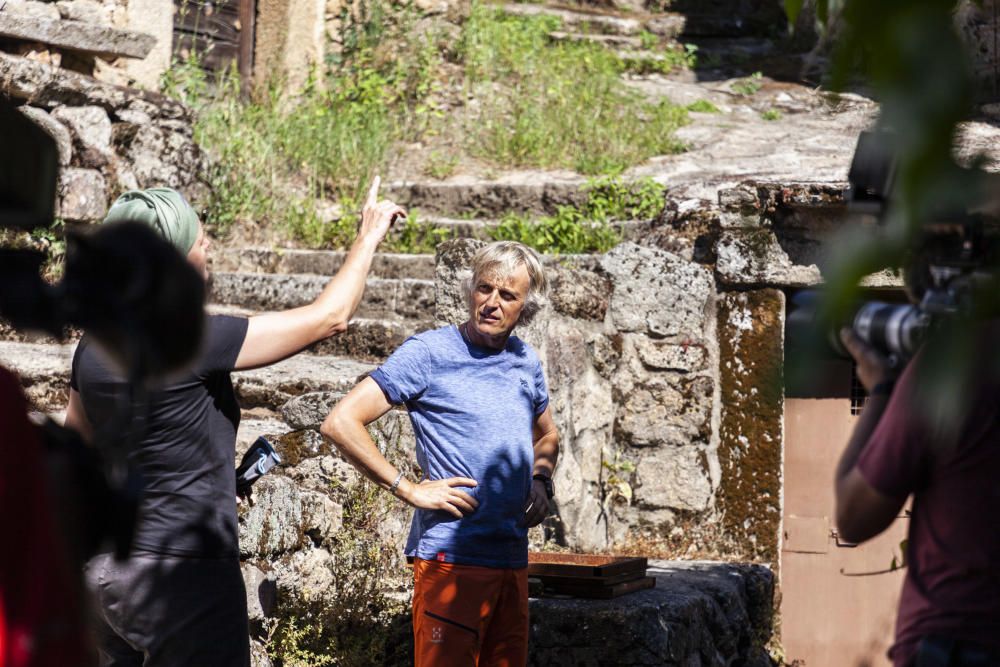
660 60
703 106
590 228
771 114
539 105
273 156
558 105
440 165
414 236
748 86
51 242
354 622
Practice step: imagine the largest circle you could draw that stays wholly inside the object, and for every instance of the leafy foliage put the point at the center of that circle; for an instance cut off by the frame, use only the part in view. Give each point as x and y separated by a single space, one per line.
590 228
748 86
703 106
541 104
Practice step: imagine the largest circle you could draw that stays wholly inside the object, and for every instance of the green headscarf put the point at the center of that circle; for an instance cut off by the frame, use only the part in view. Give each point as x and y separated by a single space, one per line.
163 209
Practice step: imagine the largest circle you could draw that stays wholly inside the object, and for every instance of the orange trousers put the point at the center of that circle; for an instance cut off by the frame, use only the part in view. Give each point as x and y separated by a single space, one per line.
469 616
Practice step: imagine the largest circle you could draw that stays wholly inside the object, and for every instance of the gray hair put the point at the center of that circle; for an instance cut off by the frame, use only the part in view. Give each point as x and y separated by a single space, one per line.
502 258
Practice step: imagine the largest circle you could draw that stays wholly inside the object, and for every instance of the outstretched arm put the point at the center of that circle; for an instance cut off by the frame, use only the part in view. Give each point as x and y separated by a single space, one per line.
276 336
345 427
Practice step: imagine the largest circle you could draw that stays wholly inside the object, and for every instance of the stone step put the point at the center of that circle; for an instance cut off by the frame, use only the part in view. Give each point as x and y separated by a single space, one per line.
609 41
400 298
90 38
318 262
537 192
668 25
369 340
366 339
44 372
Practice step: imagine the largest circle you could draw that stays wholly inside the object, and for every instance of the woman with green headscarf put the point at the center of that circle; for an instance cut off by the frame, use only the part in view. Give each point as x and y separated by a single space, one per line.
179 599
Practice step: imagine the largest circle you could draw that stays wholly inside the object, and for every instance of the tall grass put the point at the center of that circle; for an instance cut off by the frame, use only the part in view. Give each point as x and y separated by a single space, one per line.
537 103
272 157
557 104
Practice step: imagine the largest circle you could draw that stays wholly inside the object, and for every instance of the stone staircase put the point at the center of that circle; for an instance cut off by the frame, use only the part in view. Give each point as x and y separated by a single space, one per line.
399 301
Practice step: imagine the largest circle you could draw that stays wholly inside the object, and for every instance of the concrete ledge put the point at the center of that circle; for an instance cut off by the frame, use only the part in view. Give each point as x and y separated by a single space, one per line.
77 36
699 613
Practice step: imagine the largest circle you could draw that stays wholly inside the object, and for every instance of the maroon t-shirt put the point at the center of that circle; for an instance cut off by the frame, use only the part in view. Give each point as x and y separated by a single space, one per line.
952 585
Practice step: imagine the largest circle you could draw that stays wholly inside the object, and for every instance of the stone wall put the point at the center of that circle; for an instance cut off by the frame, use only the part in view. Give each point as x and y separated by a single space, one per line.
630 356
665 366
110 138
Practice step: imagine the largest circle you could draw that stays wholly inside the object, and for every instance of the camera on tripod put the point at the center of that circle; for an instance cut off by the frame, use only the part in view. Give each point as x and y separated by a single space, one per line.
947 272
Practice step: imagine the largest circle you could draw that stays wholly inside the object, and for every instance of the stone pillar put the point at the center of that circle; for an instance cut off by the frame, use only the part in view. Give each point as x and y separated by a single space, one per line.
751 344
664 386
156 18
289 41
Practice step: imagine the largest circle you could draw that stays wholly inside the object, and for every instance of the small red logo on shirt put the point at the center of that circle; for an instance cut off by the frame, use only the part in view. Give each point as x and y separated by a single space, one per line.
440 556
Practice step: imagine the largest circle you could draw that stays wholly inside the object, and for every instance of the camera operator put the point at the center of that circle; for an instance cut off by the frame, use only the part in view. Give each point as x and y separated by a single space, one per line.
949 610
180 599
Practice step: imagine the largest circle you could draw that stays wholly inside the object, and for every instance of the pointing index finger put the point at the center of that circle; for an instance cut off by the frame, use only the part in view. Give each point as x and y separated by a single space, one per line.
373 191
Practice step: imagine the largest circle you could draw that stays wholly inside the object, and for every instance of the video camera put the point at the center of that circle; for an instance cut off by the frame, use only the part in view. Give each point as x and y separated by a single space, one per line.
130 290
950 264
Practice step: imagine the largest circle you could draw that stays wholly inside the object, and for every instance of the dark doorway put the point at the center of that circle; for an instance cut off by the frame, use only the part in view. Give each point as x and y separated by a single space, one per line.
219 33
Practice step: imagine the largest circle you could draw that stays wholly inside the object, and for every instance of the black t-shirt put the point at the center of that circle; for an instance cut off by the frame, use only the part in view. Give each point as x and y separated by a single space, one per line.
186 455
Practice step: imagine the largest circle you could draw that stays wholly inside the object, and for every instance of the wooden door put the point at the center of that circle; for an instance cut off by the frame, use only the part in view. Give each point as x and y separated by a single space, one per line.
219 33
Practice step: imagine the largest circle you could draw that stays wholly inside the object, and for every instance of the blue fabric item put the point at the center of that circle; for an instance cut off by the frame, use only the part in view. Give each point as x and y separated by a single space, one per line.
473 410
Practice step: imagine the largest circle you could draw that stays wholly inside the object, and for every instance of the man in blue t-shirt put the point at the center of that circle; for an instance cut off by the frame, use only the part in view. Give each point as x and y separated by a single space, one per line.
487 445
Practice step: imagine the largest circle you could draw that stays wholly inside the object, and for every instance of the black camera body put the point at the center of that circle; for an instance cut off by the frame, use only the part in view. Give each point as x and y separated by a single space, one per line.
948 269
131 291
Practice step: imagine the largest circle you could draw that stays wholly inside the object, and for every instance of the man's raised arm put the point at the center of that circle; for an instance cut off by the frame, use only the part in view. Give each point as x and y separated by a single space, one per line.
274 336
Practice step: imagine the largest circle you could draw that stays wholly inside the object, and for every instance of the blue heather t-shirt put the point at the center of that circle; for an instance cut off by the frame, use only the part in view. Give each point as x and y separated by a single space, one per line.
472 410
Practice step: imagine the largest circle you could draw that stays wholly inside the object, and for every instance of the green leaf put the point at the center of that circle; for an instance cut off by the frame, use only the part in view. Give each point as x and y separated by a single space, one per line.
792 9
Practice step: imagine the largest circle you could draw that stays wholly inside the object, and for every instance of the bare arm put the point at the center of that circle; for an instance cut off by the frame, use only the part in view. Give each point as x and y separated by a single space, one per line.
862 511
76 418
345 427
546 446
275 336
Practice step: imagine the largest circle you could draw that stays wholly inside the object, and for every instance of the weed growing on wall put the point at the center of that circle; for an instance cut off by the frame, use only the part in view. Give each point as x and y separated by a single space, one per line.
592 227
415 236
748 86
663 61
355 622
703 106
559 104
